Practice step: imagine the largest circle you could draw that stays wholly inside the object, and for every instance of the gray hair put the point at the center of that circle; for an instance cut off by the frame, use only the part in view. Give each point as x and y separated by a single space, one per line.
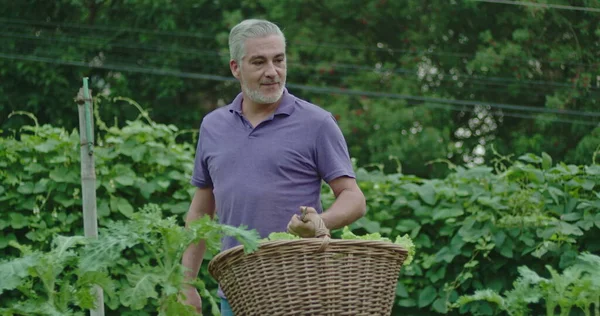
251 28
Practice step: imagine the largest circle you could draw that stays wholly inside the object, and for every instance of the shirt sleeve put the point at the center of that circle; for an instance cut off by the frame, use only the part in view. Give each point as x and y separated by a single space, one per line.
201 176
333 159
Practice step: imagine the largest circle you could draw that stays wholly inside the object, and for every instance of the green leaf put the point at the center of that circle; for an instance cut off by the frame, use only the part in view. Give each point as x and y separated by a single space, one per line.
123 175
406 225
147 189
120 204
569 229
438 275
103 209
481 295
65 175
427 296
531 158
588 185
507 248
47 146
555 193
527 240
571 217
499 238
597 220
369 225
5 239
106 249
587 222
174 306
571 205
423 240
25 188
84 297
164 184
247 237
427 193
64 199
137 154
535 175
18 221
592 170
446 254
124 180
407 302
447 213
14 271
401 290
62 245
440 306
41 186
494 202
178 208
399 201
35 168
520 35
140 288
567 169
546 161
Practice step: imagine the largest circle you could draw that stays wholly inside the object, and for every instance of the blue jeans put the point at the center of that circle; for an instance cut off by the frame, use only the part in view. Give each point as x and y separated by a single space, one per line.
226 308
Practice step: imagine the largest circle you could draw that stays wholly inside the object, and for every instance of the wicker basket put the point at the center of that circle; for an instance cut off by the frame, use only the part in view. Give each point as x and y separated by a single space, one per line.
310 276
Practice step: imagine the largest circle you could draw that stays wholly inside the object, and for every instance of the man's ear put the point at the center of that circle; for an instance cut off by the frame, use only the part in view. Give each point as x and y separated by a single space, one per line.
235 68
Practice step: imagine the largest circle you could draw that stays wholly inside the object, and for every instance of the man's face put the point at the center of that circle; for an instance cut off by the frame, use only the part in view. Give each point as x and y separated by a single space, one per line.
262 71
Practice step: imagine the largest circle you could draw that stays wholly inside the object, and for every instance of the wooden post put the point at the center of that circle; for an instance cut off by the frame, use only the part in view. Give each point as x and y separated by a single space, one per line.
88 176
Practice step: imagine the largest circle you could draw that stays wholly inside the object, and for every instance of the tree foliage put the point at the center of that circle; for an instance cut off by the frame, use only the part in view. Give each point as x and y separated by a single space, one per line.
415 80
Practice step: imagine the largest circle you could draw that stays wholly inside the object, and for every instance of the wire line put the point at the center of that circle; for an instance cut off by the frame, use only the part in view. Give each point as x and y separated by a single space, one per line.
325 90
543 5
326 45
94 40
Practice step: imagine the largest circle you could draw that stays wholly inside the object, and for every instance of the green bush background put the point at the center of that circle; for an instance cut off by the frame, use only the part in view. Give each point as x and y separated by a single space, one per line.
473 228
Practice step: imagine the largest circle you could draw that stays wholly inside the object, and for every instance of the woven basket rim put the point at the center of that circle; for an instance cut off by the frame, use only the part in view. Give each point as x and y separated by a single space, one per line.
315 243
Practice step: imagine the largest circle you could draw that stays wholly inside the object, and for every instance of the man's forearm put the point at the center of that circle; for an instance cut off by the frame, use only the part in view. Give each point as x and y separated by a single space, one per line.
192 259
348 207
202 205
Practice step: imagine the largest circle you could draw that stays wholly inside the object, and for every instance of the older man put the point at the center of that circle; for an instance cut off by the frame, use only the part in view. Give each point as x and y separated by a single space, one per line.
264 156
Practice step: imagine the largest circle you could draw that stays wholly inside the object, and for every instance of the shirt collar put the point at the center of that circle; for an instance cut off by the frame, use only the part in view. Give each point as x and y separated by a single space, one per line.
286 107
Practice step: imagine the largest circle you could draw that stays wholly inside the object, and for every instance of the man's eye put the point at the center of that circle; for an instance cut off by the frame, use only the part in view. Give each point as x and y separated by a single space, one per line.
257 63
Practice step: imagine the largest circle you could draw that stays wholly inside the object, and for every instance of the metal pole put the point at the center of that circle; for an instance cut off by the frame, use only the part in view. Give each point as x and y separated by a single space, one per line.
88 177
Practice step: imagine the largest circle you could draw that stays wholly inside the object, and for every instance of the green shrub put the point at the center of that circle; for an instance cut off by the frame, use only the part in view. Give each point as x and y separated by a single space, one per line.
576 289
63 280
472 229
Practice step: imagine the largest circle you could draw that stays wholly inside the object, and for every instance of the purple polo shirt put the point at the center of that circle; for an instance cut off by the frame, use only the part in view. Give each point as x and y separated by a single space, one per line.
261 176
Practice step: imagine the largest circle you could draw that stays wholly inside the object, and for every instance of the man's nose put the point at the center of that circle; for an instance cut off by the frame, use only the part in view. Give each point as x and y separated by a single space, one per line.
271 70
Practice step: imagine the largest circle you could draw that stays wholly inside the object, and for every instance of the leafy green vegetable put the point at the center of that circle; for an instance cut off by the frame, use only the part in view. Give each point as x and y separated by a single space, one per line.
280 236
404 241
577 287
407 243
348 234
75 266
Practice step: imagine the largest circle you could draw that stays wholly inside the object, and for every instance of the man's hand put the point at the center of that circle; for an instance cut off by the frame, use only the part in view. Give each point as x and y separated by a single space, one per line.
193 299
307 225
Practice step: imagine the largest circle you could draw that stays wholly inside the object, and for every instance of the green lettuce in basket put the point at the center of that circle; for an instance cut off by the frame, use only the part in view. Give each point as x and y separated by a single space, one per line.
405 241
280 236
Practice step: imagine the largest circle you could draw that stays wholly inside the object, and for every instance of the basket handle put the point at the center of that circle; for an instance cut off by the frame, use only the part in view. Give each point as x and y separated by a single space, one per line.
311 215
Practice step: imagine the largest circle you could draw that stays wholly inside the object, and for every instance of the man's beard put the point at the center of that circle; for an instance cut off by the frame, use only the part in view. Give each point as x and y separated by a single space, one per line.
258 97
